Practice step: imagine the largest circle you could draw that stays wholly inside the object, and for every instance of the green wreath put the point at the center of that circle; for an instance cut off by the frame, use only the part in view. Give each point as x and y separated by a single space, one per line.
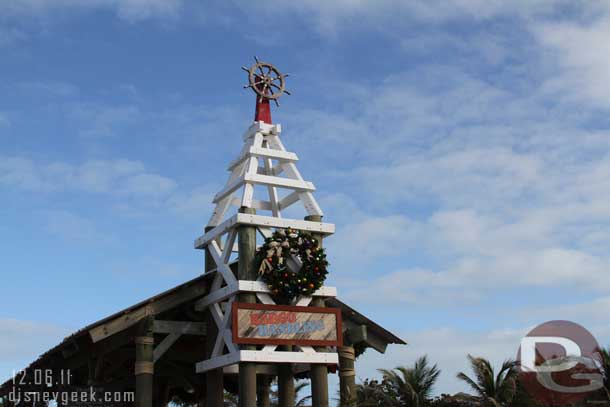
272 258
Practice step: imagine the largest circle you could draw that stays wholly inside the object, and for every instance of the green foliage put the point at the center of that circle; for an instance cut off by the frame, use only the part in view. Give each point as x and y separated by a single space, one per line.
412 386
495 390
271 260
299 401
371 393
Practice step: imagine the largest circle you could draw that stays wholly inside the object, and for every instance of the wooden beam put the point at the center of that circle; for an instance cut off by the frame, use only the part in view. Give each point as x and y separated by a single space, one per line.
229 189
289 199
154 307
264 221
167 342
180 327
262 127
216 296
303 186
283 156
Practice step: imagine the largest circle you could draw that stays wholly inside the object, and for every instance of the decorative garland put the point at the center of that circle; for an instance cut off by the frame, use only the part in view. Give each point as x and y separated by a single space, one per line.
272 259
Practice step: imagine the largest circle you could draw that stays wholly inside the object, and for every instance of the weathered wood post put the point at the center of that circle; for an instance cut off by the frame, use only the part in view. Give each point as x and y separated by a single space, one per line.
319 372
144 367
214 379
263 391
347 375
247 271
285 384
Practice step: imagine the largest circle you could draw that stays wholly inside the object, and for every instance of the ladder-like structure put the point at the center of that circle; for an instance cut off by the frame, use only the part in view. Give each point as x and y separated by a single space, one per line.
264 162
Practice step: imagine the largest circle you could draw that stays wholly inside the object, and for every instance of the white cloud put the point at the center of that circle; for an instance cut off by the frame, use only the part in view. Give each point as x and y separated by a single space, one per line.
102 121
130 10
330 17
371 239
73 227
120 177
197 203
582 52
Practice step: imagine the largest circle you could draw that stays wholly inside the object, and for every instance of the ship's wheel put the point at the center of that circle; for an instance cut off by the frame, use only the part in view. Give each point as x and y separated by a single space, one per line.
266 80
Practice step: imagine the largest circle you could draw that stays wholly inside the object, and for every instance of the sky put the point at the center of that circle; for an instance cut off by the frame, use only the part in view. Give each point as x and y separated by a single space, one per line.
462 148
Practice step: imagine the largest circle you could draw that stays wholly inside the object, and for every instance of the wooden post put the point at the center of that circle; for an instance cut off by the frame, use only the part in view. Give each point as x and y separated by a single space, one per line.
247 271
263 391
214 379
319 372
285 384
347 376
144 368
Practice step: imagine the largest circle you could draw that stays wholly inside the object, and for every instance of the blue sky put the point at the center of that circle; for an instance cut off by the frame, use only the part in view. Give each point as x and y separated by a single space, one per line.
461 147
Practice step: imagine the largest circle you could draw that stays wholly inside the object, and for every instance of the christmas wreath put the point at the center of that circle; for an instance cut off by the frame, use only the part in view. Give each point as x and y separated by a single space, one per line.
273 257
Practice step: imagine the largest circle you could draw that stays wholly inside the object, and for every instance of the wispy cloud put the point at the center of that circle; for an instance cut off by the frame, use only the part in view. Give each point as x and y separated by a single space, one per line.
130 10
582 56
115 177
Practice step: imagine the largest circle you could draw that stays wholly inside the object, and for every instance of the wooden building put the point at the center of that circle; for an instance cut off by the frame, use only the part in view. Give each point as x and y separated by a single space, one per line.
184 345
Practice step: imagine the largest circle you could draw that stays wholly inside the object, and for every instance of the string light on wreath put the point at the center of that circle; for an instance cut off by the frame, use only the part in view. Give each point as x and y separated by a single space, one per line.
272 259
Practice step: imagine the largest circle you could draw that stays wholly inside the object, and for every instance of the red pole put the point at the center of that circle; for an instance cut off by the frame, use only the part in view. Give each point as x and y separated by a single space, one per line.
263 110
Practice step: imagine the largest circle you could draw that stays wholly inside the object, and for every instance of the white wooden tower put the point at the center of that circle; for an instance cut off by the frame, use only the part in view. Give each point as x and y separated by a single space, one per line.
263 167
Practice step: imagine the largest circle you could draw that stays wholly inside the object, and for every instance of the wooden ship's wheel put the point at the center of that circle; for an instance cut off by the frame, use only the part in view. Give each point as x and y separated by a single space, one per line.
266 81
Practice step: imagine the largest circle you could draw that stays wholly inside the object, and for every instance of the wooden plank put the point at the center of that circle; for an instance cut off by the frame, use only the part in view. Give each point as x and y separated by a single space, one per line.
216 296
180 327
266 357
274 171
288 357
248 190
273 196
224 336
261 287
154 307
228 249
269 221
265 298
284 156
309 202
303 186
229 189
265 232
221 266
303 301
289 200
262 152
222 206
269 370
261 324
264 221
256 204
220 361
262 127
167 342
120 323
202 241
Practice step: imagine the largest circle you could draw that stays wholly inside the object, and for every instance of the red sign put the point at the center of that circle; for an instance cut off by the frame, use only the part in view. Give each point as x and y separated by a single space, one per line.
262 324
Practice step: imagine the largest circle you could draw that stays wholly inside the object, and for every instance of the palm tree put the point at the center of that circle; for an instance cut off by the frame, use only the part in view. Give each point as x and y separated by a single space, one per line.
298 402
412 385
371 393
494 390
231 400
605 356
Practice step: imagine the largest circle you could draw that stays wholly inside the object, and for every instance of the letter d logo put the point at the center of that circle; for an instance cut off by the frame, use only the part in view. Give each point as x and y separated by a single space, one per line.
560 363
